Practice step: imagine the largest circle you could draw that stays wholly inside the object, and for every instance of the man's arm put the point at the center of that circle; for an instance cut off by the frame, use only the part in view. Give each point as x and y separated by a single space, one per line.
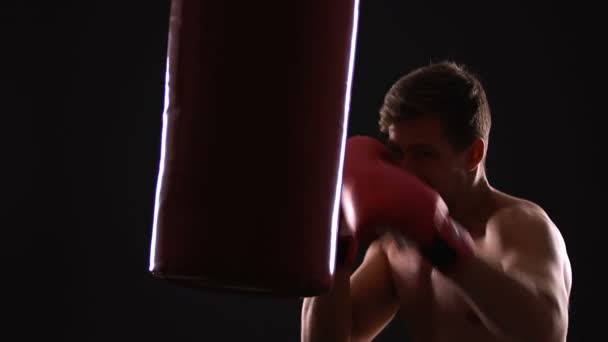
374 298
328 317
358 307
523 297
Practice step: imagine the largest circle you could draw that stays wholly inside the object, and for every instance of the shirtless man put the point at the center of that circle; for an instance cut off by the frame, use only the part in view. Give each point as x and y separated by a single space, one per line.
505 275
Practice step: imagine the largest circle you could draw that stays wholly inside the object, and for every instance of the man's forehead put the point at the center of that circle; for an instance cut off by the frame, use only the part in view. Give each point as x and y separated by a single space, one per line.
427 130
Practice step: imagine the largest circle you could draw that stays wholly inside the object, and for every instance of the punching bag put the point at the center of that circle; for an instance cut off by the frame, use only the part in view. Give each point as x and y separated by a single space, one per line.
254 126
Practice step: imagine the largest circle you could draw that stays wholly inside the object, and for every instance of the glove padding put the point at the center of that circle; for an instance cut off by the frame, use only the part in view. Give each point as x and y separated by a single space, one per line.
378 195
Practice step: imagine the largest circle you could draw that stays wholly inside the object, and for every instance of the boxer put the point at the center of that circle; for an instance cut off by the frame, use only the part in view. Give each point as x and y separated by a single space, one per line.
452 257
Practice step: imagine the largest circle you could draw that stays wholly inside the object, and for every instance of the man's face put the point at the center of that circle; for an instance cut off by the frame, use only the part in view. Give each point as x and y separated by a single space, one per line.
421 147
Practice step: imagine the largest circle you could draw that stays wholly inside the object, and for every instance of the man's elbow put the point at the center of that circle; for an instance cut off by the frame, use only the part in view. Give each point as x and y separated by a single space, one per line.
546 323
556 327
317 326
552 326
305 320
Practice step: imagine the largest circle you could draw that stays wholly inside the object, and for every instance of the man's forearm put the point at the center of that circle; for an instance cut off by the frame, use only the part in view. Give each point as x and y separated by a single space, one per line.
507 306
328 317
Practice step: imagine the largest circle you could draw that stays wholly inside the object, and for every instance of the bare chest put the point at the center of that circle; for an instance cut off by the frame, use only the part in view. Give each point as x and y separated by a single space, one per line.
423 289
432 307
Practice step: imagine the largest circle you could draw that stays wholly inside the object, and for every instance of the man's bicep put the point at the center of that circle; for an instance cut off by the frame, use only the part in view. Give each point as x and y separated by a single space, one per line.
374 300
534 253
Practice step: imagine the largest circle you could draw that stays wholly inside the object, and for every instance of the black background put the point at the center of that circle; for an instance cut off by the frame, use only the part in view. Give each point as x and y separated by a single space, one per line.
81 116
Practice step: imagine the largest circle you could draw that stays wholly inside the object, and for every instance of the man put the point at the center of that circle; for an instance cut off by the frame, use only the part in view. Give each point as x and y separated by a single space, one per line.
458 259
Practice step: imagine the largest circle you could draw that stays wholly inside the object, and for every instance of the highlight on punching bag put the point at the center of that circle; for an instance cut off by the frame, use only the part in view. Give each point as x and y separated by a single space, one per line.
254 127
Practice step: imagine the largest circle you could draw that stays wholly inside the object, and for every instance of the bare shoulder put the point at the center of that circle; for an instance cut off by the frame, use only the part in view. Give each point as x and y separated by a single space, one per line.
520 222
526 238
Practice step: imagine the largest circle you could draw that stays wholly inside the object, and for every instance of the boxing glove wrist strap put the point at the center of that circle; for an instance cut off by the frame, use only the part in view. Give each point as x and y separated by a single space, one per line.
451 244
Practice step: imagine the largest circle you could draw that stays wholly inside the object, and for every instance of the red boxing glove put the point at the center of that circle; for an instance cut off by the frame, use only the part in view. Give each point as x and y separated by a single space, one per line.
377 194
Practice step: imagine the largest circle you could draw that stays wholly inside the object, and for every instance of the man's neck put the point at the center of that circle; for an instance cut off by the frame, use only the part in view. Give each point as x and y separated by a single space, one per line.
473 207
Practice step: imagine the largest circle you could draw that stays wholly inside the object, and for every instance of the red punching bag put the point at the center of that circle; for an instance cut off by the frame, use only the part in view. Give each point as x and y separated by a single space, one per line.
256 111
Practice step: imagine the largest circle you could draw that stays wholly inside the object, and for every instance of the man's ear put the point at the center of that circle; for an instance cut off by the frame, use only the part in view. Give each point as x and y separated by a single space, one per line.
475 153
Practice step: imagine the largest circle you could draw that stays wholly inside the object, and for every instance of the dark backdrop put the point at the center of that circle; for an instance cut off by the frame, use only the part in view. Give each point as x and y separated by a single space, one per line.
81 119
